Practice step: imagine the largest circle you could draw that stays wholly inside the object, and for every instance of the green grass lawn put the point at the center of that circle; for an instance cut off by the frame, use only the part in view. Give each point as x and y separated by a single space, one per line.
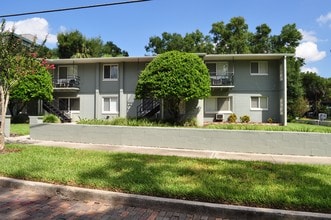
19 129
24 129
261 184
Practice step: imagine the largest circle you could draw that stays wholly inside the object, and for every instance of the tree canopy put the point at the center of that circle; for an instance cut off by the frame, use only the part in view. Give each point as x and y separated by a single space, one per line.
75 45
37 86
174 77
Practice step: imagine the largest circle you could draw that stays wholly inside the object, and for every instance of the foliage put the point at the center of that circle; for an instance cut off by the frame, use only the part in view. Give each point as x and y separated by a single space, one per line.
20 119
174 77
194 42
50 118
291 127
17 60
123 122
75 45
232 118
316 89
250 183
231 38
31 87
245 119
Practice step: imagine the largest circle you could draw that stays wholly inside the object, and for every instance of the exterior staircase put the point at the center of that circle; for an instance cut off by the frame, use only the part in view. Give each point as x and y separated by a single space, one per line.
49 107
148 108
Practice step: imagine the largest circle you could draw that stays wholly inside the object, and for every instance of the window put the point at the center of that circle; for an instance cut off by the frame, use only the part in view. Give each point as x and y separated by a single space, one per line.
69 104
259 103
109 105
259 68
110 72
216 69
65 72
218 104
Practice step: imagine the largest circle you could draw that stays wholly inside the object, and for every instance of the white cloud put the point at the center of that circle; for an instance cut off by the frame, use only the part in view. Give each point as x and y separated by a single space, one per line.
308 48
324 19
309 51
308 35
38 27
309 69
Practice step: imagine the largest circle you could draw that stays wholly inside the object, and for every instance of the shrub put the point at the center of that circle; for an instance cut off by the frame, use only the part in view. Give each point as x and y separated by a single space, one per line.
190 123
245 119
20 119
51 119
270 120
232 118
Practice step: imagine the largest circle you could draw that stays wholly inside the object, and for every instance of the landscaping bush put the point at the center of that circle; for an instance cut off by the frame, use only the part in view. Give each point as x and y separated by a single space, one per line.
51 119
20 119
270 120
232 118
245 119
190 123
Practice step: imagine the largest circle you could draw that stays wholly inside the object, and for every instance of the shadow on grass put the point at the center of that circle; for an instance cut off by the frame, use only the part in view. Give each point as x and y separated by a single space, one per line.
296 187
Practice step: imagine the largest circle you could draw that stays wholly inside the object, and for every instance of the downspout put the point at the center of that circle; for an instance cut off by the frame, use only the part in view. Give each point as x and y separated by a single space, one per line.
96 94
285 92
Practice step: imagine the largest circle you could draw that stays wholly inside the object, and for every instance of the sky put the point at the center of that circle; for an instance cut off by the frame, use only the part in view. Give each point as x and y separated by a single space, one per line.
130 26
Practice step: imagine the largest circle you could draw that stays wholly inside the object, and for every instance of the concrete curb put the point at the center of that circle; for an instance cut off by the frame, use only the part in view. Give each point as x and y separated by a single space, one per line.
229 211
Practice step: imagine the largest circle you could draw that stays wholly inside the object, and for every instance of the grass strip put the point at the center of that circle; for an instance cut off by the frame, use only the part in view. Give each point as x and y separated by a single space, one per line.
19 129
260 184
291 127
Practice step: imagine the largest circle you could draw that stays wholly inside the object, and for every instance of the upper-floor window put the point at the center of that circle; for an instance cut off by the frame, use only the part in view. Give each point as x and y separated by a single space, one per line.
259 68
219 68
110 72
65 72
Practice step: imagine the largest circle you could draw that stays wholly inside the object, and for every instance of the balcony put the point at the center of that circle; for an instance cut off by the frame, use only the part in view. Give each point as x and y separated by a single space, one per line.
222 81
69 84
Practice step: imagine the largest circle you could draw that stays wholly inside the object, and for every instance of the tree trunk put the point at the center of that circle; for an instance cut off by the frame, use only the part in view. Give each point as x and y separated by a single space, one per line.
2 142
4 103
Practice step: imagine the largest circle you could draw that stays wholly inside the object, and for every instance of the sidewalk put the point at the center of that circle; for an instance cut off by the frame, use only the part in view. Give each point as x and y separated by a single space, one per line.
178 152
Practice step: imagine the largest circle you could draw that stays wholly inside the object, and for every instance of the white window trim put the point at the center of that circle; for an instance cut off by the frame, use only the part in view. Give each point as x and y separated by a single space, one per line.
259 104
260 73
103 105
103 72
217 97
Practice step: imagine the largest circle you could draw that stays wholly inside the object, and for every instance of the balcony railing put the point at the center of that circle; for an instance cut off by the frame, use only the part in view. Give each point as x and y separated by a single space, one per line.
69 82
224 80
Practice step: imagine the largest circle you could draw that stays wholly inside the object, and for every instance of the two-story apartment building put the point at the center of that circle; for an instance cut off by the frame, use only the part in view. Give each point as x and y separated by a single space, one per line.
100 88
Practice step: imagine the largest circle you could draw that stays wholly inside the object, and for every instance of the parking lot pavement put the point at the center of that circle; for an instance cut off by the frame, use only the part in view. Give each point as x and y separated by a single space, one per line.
26 204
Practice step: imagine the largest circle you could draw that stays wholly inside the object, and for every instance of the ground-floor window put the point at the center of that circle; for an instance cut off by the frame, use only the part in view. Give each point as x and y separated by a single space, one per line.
259 103
218 104
69 104
110 104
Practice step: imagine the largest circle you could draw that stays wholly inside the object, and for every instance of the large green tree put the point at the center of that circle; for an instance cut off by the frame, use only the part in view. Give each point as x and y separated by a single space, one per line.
36 86
231 38
316 90
194 42
75 45
174 77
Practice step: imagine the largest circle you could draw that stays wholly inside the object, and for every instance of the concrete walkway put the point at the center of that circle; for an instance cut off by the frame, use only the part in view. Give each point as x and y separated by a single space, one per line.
21 199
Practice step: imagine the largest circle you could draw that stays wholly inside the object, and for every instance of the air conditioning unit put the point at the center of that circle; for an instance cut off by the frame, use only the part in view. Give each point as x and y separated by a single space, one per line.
219 117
